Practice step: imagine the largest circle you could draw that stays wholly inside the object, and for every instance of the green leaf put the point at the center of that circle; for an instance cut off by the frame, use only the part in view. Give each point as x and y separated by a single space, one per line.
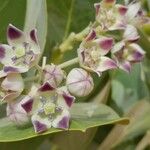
84 116
130 91
36 17
139 124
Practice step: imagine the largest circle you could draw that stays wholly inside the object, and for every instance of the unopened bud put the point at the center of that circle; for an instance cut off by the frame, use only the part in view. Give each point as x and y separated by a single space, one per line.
79 82
53 74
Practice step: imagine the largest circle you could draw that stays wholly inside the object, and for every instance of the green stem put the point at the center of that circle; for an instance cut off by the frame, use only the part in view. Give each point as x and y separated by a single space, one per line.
69 19
69 63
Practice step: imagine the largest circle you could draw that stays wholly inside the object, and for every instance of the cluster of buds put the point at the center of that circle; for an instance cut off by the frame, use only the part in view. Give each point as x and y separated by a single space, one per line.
48 100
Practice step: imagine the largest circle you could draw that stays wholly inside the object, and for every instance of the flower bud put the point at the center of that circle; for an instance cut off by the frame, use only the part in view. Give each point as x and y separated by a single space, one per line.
53 74
79 82
17 114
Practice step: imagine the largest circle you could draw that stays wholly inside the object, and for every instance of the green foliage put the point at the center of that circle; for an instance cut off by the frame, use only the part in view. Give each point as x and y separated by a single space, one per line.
84 116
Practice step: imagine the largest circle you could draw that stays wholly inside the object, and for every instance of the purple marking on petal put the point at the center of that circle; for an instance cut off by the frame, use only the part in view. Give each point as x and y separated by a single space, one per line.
137 56
13 32
46 87
2 52
39 127
64 123
111 64
91 35
8 69
106 44
126 67
122 10
83 56
27 106
33 35
97 7
68 99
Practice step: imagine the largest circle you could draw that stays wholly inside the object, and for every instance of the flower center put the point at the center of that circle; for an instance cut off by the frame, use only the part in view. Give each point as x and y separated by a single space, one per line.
19 52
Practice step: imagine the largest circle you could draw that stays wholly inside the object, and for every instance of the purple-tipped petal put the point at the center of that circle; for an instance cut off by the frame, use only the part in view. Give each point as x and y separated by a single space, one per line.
68 99
13 32
126 66
46 87
33 35
97 8
91 35
27 103
64 123
39 127
14 35
105 44
6 54
122 9
106 64
62 120
136 53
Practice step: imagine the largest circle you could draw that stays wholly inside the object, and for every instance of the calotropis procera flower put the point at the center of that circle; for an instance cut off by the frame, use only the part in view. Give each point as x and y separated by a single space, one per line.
92 53
51 108
79 82
21 53
53 74
109 15
11 87
128 51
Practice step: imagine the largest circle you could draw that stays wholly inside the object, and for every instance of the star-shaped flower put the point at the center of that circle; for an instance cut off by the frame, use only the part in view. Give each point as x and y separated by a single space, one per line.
21 53
92 53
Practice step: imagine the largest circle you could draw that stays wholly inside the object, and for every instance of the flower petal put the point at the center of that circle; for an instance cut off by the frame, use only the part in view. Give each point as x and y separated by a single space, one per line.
41 124
97 8
15 69
33 36
27 103
10 96
15 36
125 65
65 100
118 46
131 34
16 113
46 87
136 53
105 44
13 82
6 54
133 10
62 121
106 64
122 10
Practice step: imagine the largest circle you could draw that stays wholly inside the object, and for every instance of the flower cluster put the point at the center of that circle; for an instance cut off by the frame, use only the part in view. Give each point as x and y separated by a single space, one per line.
47 101
100 51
